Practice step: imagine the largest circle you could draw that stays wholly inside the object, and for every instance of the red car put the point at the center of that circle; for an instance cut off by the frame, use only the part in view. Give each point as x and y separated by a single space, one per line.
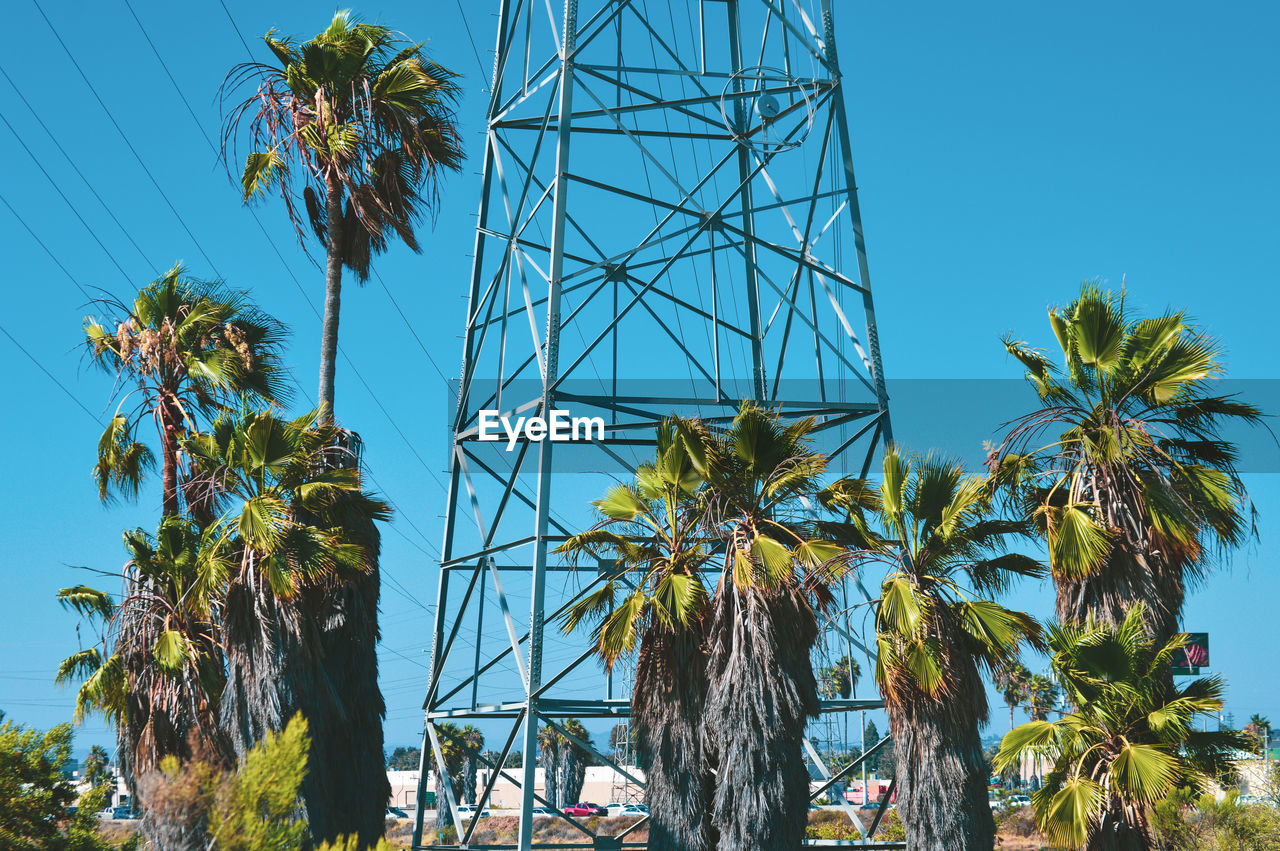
585 808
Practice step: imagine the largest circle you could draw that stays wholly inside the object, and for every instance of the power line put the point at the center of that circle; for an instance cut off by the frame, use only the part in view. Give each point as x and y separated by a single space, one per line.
64 198
125 137
471 39
40 243
53 138
50 375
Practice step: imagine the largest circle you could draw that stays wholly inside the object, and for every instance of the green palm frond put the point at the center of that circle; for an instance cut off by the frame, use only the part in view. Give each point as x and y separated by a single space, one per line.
87 601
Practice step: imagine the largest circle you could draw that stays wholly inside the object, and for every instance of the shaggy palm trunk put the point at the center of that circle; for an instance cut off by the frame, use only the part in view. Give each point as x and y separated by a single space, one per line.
760 694
469 772
443 817
164 716
549 756
667 715
1124 581
1121 830
274 671
571 773
332 295
942 788
352 759
1141 568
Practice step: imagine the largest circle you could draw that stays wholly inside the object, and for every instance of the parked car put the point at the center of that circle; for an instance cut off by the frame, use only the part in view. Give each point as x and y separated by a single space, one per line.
1019 801
544 812
633 811
396 812
469 812
585 808
123 813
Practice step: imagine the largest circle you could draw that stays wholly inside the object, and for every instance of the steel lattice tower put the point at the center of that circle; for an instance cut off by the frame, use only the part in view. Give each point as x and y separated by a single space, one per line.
668 225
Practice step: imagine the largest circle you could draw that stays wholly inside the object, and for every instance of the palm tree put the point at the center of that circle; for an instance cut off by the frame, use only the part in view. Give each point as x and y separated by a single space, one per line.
1259 727
1042 697
839 680
356 125
1012 680
450 736
1124 468
286 515
157 671
361 123
650 529
185 347
936 624
1129 742
761 689
97 769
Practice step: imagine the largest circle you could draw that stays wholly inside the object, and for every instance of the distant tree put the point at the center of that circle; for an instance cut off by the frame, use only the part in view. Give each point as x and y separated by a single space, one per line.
622 740
1259 727
1012 679
97 771
404 759
450 736
839 680
1042 697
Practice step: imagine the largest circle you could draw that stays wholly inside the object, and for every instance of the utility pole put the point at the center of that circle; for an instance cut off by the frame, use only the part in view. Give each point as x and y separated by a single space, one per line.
668 225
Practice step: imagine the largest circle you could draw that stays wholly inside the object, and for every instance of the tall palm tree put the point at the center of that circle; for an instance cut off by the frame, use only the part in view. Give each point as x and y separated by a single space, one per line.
1011 680
355 125
285 518
183 348
936 625
654 603
761 689
352 128
1124 467
1129 742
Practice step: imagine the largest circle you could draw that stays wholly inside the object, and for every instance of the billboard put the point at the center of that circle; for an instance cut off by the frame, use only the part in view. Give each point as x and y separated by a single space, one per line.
1192 656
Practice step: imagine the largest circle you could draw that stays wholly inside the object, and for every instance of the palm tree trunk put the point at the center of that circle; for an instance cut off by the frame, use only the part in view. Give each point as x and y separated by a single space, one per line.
667 711
1129 576
332 295
356 790
170 425
550 764
942 793
760 694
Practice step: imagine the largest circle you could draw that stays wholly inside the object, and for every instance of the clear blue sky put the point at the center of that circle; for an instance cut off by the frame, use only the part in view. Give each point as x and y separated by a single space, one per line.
1005 152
